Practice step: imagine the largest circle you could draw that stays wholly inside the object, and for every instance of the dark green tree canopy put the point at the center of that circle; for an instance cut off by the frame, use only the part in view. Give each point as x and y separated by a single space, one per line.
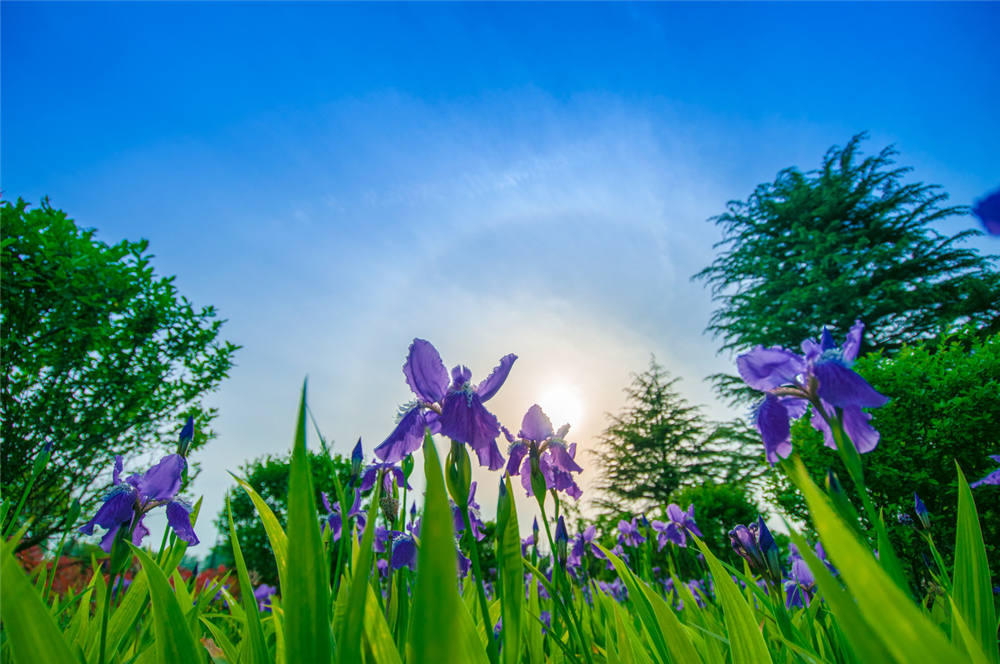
658 443
268 475
100 357
848 241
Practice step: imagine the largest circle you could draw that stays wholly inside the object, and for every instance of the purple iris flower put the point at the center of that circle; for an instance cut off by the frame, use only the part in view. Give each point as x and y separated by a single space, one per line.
988 211
556 458
821 376
581 543
474 520
404 552
675 530
629 533
392 472
991 479
756 545
263 594
455 411
335 519
800 588
129 501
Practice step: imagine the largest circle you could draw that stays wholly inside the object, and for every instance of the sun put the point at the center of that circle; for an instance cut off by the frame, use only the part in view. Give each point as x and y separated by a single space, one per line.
563 403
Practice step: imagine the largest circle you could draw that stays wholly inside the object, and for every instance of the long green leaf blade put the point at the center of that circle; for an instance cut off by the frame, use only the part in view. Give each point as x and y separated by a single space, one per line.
307 601
257 650
29 627
437 632
174 641
972 591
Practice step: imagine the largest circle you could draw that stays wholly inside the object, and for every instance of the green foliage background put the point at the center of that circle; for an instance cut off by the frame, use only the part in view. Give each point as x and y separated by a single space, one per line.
100 356
944 408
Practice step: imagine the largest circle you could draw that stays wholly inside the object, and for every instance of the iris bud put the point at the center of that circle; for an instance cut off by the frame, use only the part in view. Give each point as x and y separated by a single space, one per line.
562 541
922 514
459 474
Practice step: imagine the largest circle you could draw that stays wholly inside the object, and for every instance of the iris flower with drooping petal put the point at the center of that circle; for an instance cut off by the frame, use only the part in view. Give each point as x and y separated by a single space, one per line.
675 530
821 376
991 479
556 458
454 410
581 543
128 502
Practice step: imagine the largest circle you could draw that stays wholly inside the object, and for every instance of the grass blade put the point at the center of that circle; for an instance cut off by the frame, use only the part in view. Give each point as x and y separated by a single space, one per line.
307 619
174 641
971 589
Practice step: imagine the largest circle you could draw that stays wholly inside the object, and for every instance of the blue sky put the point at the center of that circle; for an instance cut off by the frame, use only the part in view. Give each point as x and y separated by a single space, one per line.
338 179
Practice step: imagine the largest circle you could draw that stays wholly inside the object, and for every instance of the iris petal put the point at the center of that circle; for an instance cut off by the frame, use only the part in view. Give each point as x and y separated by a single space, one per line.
496 379
853 342
843 387
465 419
774 427
162 481
179 518
405 439
536 425
767 368
858 429
425 371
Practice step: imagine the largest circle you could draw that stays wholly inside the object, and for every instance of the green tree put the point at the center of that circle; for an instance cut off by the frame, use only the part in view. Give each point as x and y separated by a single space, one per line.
943 409
658 443
848 241
718 509
100 357
268 475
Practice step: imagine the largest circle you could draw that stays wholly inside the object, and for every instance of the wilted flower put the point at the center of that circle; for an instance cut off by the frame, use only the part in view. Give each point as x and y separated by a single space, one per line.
991 479
822 377
130 500
675 530
455 411
538 442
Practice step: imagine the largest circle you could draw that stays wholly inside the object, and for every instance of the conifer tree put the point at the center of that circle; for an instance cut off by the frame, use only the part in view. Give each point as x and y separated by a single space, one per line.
848 241
659 443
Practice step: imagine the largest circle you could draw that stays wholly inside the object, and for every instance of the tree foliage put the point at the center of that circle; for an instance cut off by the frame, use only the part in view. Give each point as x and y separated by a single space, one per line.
658 443
100 357
943 408
848 241
268 475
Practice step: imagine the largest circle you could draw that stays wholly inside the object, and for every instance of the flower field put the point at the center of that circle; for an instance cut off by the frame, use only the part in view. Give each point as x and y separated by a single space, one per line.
375 574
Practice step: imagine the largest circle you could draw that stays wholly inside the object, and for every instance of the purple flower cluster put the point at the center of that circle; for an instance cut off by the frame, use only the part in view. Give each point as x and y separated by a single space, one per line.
454 410
822 377
676 528
539 443
131 499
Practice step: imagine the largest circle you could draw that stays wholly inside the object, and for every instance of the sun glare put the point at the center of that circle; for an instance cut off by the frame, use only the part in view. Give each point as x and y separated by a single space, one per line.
563 403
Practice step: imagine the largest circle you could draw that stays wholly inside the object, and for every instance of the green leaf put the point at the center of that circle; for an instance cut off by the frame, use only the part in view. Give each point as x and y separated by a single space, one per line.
307 619
256 650
438 634
971 590
671 644
377 632
174 641
745 639
28 626
904 630
511 583
349 640
275 533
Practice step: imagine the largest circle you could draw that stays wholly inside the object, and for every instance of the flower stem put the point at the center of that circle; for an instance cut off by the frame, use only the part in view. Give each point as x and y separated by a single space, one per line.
491 644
